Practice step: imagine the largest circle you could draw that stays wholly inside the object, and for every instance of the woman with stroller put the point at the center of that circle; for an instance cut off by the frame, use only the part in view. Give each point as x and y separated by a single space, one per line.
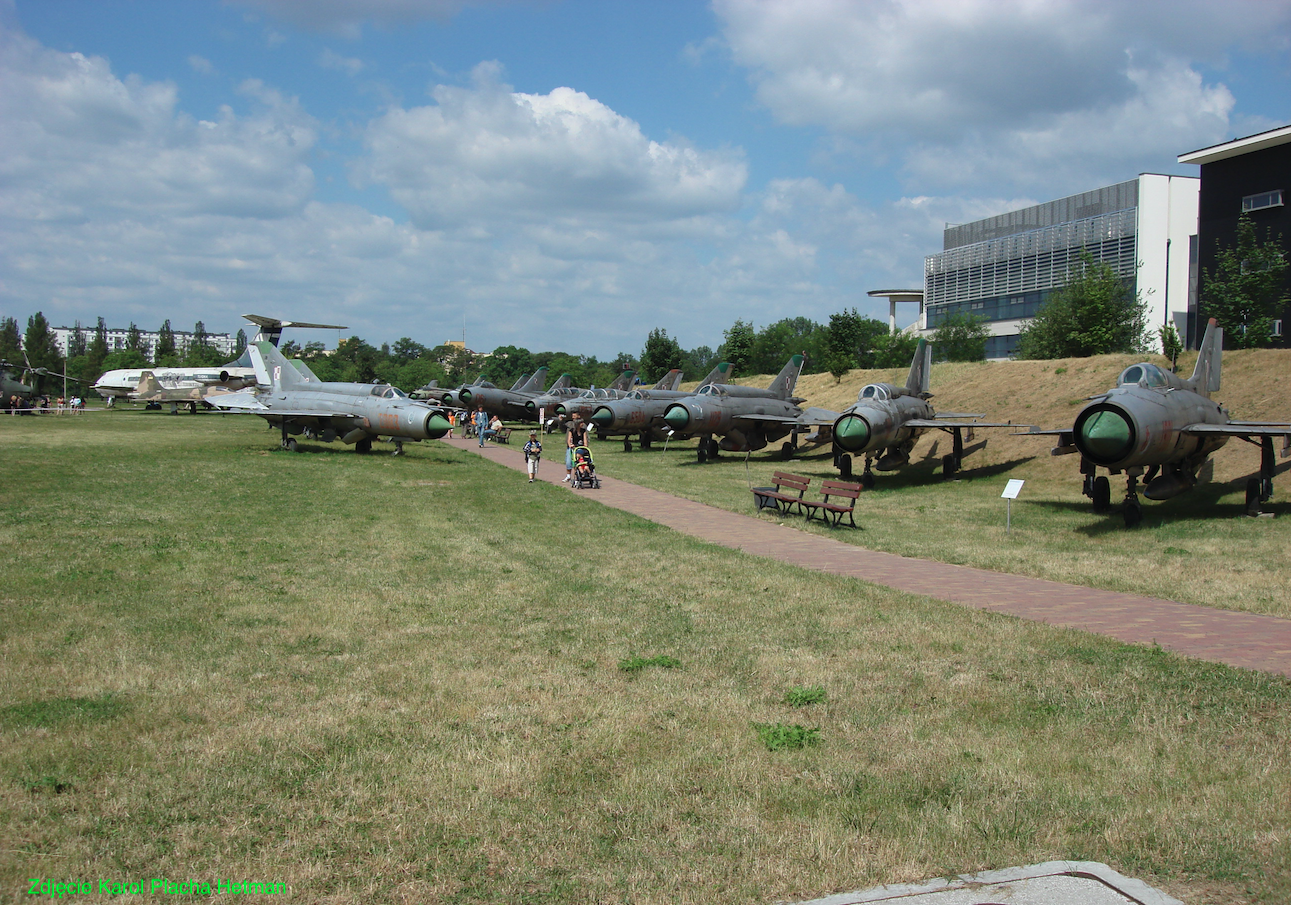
575 436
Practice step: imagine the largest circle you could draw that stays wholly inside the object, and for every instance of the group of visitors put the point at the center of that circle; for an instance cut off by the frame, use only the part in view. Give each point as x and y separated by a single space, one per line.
485 427
26 405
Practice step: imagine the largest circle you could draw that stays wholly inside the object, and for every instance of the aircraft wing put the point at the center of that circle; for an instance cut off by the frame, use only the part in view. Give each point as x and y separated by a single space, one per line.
940 424
248 403
238 402
952 416
816 415
1241 429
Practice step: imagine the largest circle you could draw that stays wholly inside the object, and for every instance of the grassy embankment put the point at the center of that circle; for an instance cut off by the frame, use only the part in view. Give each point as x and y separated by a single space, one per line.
380 679
1197 548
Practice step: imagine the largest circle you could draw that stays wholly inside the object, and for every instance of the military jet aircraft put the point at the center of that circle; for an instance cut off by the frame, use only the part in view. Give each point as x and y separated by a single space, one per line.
290 396
1156 425
125 381
545 405
190 393
887 420
746 418
641 411
424 391
507 404
586 402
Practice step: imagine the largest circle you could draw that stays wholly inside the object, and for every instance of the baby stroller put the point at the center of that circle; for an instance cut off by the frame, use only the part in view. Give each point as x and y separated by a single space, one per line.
584 469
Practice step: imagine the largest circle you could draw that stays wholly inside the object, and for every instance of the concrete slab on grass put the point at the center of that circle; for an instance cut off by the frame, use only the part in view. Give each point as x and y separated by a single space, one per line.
1051 883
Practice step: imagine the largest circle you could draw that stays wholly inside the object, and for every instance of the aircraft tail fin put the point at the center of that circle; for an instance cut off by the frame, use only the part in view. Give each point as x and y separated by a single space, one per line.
1205 377
667 381
535 383
147 384
623 381
305 372
278 372
564 380
519 382
720 374
242 361
787 379
920 369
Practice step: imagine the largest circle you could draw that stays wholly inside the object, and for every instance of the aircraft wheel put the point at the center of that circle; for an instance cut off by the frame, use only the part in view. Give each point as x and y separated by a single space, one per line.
192 408
290 445
1102 495
947 466
702 452
786 451
363 446
644 442
845 466
867 481
627 444
1253 496
1133 514
713 448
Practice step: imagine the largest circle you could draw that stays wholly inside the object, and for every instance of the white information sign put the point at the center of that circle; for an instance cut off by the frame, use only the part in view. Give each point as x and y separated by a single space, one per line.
1012 489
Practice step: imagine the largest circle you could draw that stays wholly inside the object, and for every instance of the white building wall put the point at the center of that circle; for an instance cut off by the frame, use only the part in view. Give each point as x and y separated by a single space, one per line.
1168 209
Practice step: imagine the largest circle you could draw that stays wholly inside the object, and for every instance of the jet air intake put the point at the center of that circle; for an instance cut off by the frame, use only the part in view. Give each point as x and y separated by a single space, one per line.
851 433
602 417
677 417
1104 434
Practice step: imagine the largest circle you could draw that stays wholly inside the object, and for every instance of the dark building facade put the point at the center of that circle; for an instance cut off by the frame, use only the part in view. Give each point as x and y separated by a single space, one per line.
1250 175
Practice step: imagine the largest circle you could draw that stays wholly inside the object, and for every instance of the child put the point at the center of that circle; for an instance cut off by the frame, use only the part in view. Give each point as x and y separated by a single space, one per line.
532 453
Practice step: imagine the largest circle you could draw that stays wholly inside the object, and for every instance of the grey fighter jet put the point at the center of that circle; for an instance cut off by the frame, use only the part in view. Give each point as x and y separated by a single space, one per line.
887 420
586 402
190 393
1162 428
746 418
545 406
355 413
641 411
508 404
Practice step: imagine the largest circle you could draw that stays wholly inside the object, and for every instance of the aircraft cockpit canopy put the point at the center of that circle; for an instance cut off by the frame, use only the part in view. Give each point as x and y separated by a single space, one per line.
636 394
876 391
709 389
1144 373
387 392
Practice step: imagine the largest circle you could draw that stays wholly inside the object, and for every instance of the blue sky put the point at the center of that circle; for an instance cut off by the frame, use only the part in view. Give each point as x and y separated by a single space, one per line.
570 175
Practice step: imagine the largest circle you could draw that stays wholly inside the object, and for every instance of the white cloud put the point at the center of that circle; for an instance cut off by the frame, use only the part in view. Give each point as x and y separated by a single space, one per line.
200 64
978 91
330 59
487 153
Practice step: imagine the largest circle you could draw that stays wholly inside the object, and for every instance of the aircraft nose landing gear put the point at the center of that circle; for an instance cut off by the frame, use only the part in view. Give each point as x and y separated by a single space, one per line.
1132 510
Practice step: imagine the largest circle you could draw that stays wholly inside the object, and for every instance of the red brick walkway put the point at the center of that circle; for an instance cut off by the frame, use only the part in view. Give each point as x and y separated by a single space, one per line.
1238 639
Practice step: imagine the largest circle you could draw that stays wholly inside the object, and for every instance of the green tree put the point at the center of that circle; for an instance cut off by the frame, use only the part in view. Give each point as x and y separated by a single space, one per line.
1248 288
134 340
41 348
773 345
893 350
849 341
960 337
698 362
661 354
1097 312
165 355
10 341
240 343
96 352
76 342
1171 344
737 346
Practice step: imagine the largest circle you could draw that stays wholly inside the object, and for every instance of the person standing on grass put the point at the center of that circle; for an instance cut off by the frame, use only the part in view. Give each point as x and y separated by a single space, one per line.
532 453
576 435
481 424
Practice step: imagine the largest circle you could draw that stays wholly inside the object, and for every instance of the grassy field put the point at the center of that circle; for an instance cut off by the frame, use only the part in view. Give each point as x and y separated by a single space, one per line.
1197 548
422 679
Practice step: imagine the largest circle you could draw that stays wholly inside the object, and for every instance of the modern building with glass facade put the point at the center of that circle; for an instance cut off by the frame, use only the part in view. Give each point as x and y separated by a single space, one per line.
1003 268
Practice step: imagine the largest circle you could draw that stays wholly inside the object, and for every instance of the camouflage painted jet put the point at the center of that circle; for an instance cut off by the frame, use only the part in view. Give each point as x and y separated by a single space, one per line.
887 420
746 418
641 411
190 393
1158 426
290 396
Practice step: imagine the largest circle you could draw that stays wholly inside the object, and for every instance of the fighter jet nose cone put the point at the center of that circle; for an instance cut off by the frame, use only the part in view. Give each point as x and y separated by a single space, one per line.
678 417
436 425
1104 435
852 433
602 417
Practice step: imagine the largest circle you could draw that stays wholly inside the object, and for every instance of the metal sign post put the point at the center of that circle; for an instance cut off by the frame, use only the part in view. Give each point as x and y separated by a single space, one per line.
1011 491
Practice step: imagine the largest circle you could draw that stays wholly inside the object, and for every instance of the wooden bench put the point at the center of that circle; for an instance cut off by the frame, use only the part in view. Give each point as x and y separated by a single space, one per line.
502 436
839 489
776 496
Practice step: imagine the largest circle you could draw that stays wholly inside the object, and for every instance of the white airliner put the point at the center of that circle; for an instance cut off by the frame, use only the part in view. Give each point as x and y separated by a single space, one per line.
125 381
